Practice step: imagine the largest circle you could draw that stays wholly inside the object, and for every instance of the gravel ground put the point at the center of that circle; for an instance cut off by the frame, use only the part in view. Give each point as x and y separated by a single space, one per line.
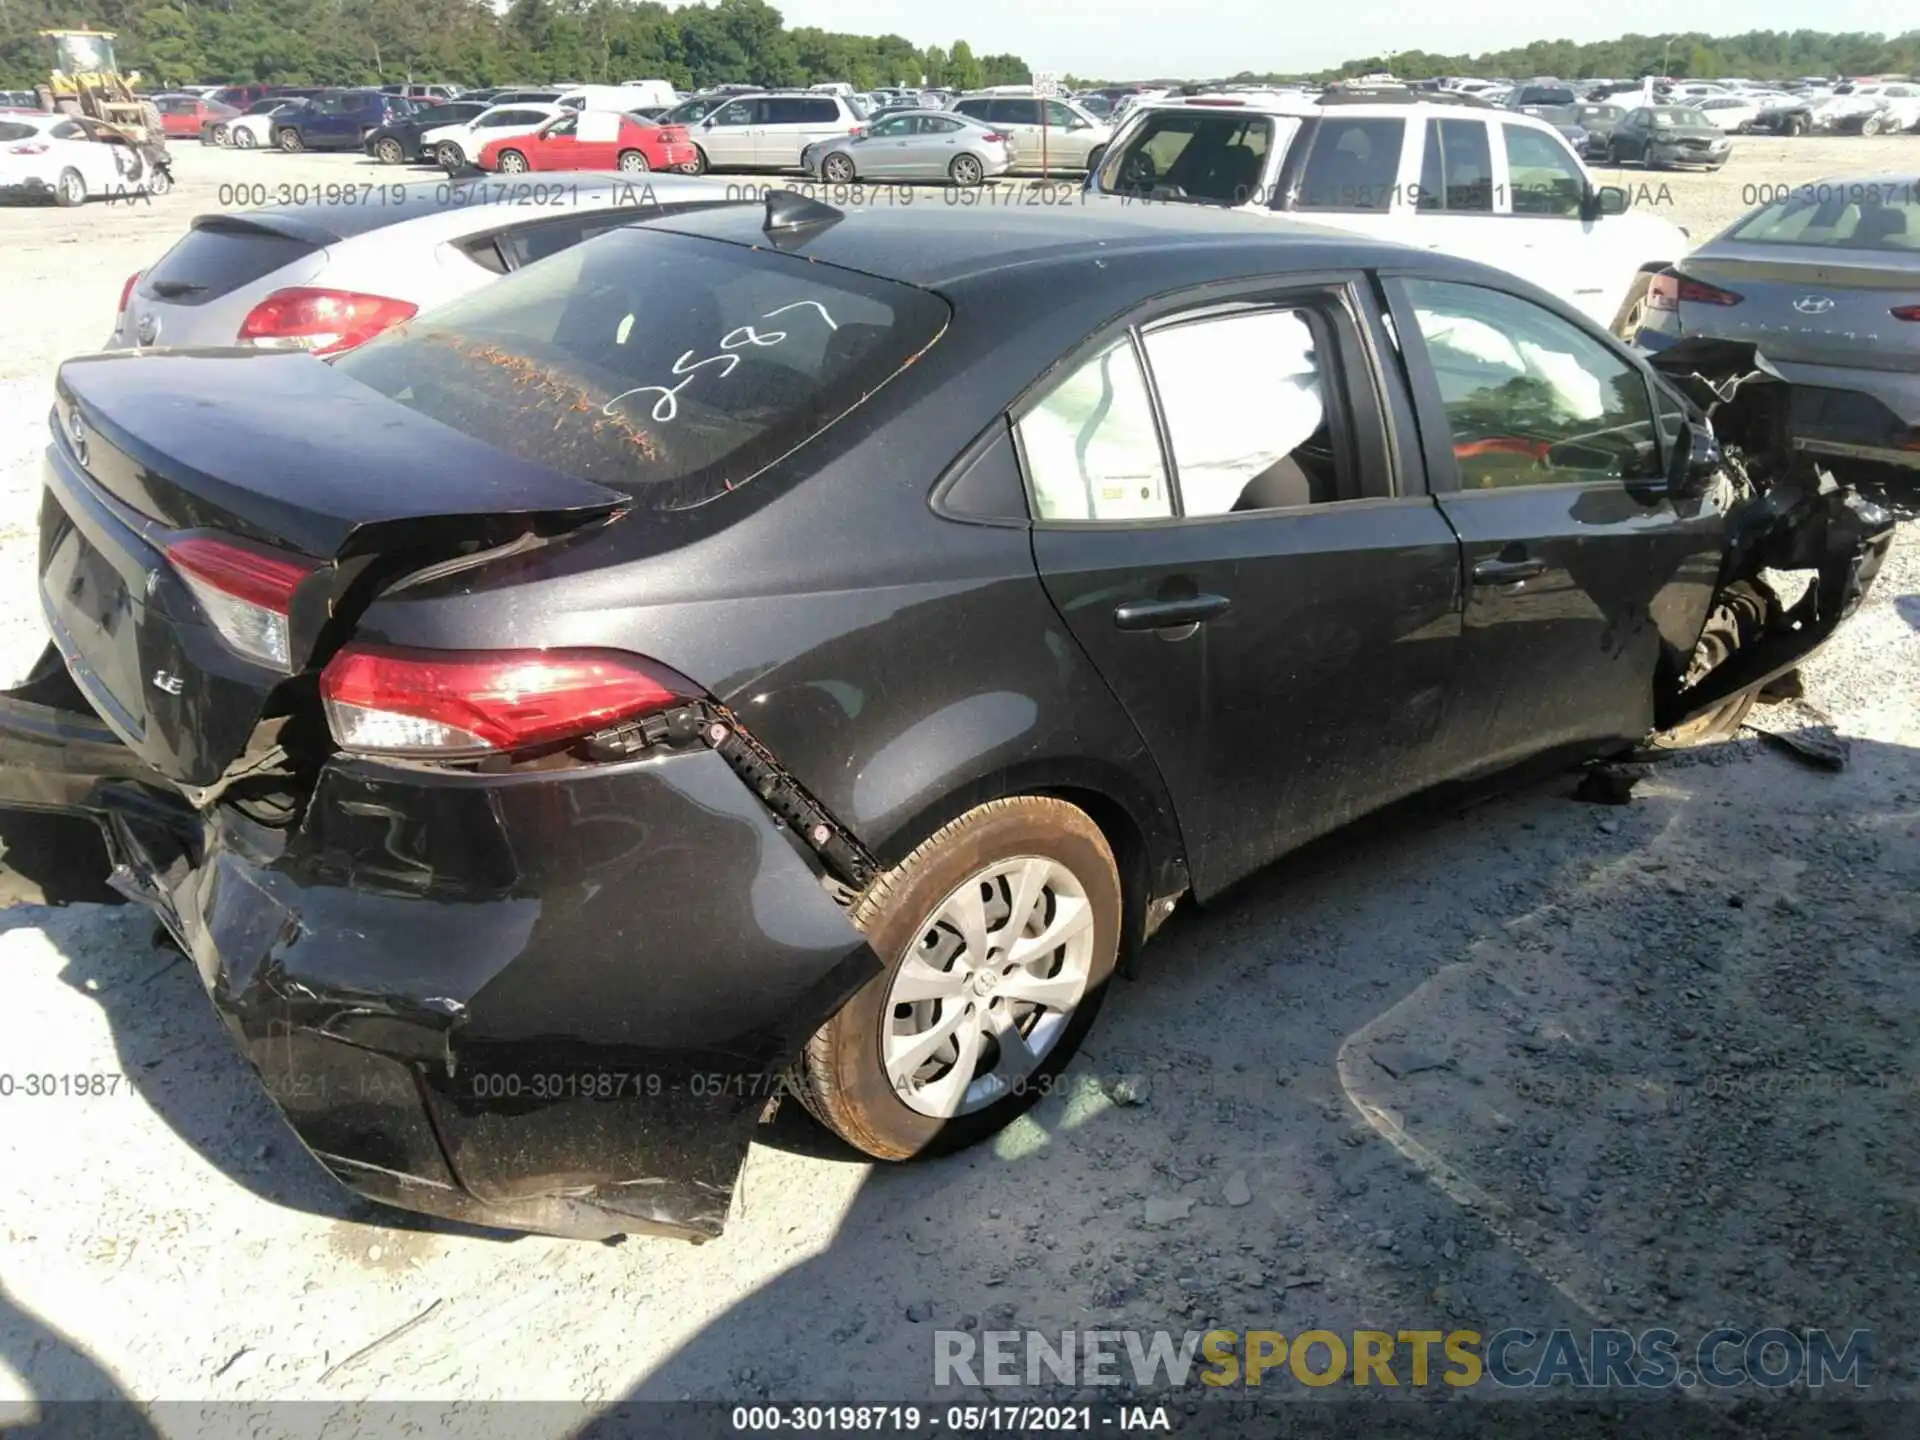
1521 1062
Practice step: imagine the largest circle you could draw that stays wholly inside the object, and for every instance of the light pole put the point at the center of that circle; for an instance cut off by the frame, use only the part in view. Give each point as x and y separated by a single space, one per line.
1666 54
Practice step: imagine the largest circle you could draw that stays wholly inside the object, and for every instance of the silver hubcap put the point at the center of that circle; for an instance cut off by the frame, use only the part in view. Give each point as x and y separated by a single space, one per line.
634 164
966 172
513 164
989 986
839 170
75 189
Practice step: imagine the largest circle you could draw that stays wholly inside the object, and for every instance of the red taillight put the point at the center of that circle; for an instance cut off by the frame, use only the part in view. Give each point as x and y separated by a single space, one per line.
32 147
995 135
247 592
126 291
323 321
473 702
1906 312
1669 289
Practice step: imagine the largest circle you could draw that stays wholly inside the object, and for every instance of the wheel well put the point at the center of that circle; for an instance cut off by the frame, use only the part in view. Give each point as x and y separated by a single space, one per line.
1152 868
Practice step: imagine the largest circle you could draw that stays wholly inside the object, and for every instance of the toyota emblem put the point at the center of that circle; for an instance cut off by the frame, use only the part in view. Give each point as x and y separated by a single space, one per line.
77 432
149 330
1813 304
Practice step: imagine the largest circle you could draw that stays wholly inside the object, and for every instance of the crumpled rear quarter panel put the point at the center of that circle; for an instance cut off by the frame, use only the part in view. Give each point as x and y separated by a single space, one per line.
554 999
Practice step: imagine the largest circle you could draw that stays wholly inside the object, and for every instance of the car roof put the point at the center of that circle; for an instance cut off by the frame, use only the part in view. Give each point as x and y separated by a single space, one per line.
451 210
943 247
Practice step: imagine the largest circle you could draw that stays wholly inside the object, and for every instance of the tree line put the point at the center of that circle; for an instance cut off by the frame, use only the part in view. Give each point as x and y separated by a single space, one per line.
1756 55
359 42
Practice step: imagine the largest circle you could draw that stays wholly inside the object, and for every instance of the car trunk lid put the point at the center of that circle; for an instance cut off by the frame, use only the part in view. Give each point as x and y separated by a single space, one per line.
158 457
1809 304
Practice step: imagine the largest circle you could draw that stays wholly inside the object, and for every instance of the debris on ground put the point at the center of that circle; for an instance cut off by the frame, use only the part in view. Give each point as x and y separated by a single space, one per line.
1803 730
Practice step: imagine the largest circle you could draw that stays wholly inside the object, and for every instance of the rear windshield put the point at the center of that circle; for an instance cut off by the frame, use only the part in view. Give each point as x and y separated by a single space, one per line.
1199 155
215 260
1839 216
666 366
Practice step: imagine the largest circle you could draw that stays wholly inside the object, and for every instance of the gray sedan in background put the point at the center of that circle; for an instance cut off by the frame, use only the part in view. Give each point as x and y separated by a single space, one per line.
1823 285
913 145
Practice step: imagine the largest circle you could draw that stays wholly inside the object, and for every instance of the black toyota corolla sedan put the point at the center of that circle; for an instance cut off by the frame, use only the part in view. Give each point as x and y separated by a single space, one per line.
775 650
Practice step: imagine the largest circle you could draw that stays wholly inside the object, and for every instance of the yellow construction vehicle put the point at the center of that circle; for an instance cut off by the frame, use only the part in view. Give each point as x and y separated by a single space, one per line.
84 80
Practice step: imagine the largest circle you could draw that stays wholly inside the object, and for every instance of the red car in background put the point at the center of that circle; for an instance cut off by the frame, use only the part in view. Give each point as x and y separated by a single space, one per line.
593 140
182 116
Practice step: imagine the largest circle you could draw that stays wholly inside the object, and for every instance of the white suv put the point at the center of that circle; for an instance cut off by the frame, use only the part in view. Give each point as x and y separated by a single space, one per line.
1441 172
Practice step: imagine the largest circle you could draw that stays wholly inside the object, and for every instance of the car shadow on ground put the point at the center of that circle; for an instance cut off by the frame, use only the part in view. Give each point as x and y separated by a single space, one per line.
90 1402
1522 1061
1591 1066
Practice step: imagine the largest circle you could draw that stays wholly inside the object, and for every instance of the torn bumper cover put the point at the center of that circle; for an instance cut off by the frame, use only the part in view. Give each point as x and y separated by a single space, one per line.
1788 515
549 1000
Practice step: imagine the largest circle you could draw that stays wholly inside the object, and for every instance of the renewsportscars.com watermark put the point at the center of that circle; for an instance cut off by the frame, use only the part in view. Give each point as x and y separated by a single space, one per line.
1514 1358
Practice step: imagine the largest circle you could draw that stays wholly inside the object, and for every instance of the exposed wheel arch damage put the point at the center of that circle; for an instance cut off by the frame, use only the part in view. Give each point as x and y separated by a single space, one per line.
1785 513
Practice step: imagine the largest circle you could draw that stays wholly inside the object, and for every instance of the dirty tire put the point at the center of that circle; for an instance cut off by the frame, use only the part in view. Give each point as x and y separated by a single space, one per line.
290 141
389 151
70 189
841 1078
1627 323
1737 621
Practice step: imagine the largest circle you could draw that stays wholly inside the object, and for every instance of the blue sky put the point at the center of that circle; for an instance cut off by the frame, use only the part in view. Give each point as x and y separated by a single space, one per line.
1122 38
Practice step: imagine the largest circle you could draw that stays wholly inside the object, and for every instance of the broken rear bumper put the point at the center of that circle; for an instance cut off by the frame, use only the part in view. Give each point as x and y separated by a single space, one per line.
552 1000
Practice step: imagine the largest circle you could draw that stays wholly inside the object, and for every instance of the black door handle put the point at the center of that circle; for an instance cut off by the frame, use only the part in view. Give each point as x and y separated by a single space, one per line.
1167 614
1506 572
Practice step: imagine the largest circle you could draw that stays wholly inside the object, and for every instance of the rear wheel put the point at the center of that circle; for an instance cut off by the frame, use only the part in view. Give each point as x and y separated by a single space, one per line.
159 181
837 169
999 936
1738 619
243 139
699 165
966 171
512 162
389 151
70 189
1798 124
1871 125
290 141
1627 323
632 162
220 135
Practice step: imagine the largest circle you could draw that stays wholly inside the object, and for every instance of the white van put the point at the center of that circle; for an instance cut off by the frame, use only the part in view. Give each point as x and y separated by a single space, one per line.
618 98
648 92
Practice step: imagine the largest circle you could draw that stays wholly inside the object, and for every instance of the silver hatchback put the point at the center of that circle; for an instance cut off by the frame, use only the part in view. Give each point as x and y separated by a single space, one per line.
913 145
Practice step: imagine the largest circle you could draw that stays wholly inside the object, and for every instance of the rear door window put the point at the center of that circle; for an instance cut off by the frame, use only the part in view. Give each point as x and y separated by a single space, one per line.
1354 164
1090 447
1015 112
1245 401
1456 168
669 366
819 112
10 131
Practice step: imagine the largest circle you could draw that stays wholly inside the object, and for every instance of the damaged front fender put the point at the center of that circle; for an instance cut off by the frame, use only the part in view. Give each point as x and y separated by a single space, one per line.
1787 515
